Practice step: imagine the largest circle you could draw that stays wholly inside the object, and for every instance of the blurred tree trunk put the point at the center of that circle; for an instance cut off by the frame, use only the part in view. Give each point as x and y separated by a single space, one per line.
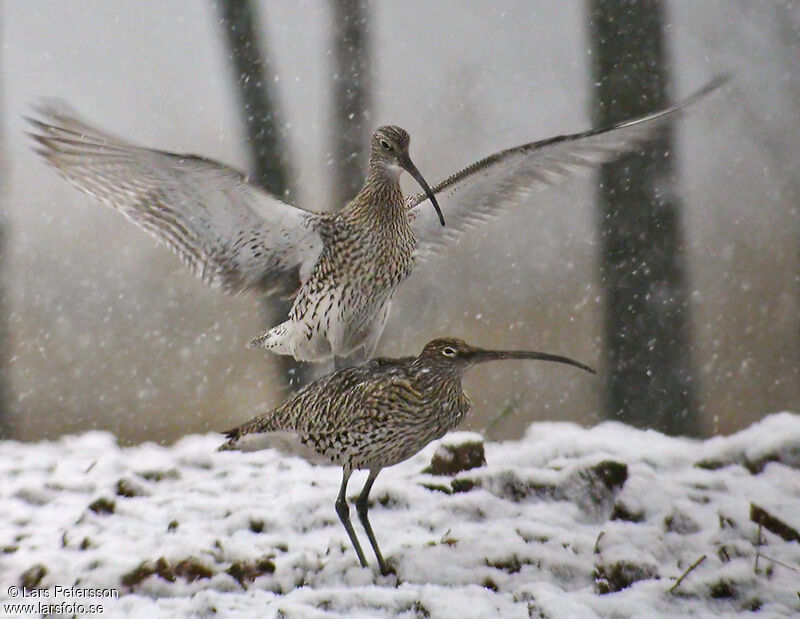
649 370
351 98
269 154
5 337
5 342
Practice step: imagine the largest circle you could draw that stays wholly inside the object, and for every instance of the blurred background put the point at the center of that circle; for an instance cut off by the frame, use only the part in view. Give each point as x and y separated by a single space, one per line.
675 273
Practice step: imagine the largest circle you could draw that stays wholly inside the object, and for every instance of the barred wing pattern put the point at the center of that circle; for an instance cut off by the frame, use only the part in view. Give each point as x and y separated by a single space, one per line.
327 405
228 231
355 417
346 399
479 192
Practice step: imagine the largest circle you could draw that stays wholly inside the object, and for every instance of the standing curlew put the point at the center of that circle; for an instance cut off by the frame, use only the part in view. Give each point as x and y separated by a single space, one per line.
381 413
341 268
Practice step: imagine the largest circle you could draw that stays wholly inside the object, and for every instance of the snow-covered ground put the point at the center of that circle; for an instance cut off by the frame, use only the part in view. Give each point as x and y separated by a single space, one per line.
567 522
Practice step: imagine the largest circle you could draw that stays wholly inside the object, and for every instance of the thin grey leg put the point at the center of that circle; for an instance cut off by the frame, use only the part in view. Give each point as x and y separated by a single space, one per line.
344 515
357 358
360 356
361 507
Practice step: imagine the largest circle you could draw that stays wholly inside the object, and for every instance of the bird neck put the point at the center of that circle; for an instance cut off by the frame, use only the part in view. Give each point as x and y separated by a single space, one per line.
447 379
445 389
380 197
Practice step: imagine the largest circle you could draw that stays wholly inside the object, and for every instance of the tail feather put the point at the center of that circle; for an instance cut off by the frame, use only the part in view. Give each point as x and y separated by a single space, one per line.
262 423
301 341
277 339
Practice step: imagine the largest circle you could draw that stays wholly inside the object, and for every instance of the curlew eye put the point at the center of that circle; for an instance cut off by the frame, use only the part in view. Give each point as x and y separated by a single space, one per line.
449 352
385 145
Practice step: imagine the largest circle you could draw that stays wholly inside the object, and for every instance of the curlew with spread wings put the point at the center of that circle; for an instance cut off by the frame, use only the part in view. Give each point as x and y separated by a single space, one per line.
340 268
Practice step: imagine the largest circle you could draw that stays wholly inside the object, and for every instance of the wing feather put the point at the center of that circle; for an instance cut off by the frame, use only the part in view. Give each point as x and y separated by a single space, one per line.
227 231
480 191
352 399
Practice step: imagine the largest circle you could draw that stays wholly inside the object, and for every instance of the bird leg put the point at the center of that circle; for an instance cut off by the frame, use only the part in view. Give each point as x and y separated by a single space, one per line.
344 515
361 507
340 363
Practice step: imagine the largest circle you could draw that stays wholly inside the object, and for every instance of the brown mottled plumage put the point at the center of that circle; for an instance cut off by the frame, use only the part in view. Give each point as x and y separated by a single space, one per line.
342 268
381 413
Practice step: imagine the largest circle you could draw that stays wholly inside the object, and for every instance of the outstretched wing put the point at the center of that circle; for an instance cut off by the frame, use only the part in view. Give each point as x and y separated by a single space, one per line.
479 192
227 230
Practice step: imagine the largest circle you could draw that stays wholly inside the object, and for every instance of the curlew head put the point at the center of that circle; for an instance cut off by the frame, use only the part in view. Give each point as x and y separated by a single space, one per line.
389 152
456 355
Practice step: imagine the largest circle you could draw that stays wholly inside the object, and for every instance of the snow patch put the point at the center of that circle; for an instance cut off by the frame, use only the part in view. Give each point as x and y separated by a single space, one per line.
566 522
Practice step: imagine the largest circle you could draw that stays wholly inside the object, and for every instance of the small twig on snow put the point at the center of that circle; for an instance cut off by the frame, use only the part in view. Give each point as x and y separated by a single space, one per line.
686 573
597 542
758 549
781 563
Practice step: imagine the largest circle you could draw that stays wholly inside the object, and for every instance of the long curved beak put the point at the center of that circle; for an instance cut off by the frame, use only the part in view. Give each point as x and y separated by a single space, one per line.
480 356
409 167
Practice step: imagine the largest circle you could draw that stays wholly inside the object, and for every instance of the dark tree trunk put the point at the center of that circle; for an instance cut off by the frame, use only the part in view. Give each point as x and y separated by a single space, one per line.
351 98
254 81
649 370
253 77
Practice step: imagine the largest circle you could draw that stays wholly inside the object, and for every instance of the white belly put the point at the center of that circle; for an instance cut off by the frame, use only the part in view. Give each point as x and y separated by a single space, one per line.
329 319
332 325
